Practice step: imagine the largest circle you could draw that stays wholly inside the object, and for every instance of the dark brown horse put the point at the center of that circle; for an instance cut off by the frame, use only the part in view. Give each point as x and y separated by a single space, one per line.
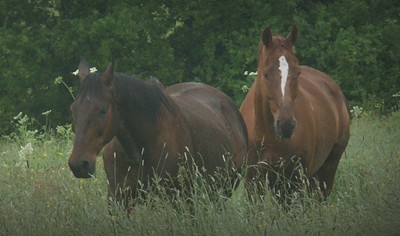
148 130
293 111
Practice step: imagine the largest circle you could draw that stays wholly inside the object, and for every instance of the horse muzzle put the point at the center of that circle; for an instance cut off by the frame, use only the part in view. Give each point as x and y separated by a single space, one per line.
285 128
82 168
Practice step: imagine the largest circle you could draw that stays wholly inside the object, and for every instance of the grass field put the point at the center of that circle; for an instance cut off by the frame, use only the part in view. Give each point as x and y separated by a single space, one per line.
39 195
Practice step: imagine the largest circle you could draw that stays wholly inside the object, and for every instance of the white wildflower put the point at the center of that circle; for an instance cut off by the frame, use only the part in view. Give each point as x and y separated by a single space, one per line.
91 70
46 113
58 80
25 151
245 88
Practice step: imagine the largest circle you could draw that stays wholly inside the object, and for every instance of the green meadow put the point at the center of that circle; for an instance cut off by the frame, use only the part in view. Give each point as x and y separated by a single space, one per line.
40 196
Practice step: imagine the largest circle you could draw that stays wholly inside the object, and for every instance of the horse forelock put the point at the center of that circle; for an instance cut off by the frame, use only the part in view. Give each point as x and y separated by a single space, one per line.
91 86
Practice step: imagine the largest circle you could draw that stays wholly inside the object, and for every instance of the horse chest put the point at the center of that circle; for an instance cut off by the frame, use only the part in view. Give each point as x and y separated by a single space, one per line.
275 151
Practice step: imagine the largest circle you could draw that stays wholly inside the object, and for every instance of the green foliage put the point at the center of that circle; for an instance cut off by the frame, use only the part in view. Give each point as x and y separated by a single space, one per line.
356 42
41 196
351 41
24 130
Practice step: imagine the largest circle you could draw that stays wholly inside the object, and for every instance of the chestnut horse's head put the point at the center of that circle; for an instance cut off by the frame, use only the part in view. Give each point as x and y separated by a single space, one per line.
277 80
95 119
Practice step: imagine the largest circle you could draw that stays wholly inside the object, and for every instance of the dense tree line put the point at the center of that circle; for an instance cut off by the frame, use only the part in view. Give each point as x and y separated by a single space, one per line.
356 42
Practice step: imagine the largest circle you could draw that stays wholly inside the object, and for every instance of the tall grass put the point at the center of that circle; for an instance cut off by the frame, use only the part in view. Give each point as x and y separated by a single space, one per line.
40 196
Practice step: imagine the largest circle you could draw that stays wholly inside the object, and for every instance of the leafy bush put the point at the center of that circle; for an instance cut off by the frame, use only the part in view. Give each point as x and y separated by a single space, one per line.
356 42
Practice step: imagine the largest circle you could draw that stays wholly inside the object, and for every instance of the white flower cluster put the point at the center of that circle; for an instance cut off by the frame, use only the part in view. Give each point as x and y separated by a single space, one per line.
25 151
250 73
92 70
356 111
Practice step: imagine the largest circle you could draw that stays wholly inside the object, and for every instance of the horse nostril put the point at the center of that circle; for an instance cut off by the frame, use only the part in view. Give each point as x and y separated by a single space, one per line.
81 168
85 166
285 128
294 123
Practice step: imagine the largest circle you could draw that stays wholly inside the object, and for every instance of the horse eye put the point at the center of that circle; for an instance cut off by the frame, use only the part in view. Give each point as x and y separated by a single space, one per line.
265 75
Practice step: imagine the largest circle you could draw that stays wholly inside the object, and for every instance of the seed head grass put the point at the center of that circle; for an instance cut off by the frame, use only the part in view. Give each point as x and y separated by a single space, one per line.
40 196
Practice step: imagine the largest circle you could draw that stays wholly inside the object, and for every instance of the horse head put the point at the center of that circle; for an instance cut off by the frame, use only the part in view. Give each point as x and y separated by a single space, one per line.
95 118
277 80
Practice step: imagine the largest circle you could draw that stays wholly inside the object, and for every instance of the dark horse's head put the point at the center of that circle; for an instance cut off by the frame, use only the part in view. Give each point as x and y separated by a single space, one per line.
277 81
95 119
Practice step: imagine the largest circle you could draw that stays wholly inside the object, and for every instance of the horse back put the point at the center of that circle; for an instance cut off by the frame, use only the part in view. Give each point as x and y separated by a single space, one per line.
215 124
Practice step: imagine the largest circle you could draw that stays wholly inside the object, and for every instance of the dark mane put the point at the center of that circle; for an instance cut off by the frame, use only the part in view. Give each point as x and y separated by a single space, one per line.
130 93
148 96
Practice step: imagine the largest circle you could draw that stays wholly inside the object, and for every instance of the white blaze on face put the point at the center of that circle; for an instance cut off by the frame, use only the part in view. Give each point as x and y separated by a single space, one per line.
284 68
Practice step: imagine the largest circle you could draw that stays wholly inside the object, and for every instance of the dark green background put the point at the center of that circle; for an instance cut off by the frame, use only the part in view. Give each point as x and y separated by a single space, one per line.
356 42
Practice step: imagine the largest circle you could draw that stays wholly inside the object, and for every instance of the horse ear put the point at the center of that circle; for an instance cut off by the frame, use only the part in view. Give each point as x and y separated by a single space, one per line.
108 74
83 69
292 36
267 37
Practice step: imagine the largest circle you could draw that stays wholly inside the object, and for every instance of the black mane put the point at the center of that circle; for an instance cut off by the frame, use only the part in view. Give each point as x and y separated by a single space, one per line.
130 93
146 96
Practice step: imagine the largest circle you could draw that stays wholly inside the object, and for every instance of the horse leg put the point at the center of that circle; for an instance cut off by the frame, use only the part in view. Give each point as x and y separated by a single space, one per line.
326 174
256 183
250 183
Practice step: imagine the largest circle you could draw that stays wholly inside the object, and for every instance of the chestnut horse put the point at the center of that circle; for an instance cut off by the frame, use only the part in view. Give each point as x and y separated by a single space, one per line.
149 130
293 112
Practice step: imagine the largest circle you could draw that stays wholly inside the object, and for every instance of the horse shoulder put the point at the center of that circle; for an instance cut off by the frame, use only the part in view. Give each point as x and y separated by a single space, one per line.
174 136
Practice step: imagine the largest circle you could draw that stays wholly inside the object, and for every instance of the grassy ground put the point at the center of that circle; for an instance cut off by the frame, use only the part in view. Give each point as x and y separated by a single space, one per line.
39 195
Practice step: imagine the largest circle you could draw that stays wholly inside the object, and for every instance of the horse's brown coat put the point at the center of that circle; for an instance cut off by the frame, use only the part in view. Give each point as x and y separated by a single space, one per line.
150 130
311 122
